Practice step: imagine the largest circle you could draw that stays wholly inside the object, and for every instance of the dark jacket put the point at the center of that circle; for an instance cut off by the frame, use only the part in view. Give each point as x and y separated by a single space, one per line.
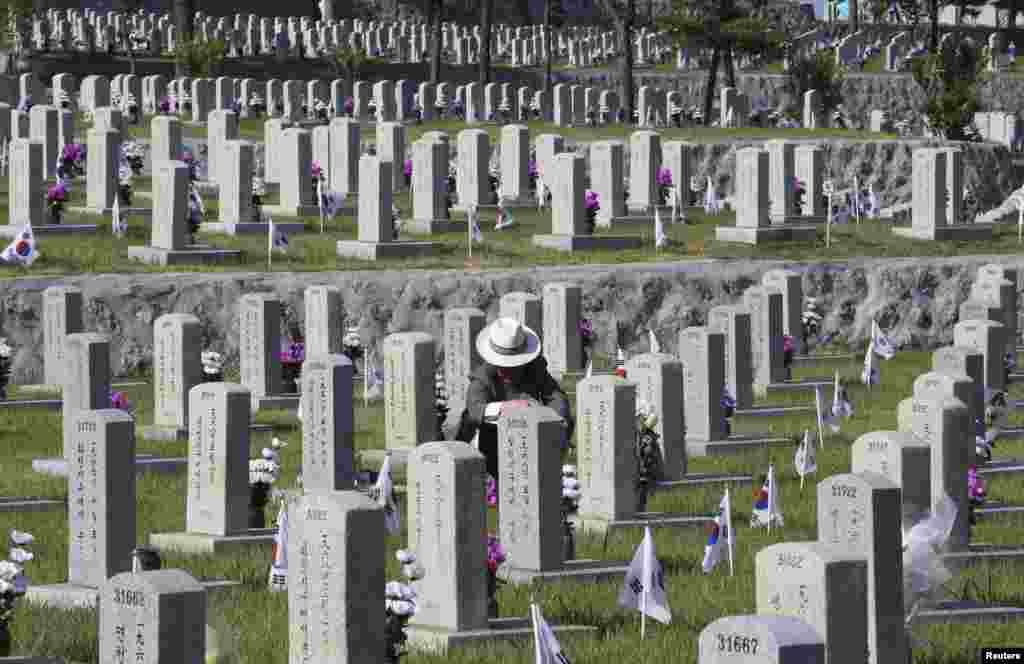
535 384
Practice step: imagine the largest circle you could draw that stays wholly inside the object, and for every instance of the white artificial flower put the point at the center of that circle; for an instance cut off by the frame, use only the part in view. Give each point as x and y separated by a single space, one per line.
570 483
262 471
268 454
571 494
19 555
401 607
645 415
277 443
6 587
20 538
352 339
568 470
8 570
259 187
413 571
393 590
213 362
405 556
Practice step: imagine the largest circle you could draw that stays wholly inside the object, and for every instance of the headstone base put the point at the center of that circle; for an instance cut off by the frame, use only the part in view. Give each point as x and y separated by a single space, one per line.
960 232
572 243
600 525
980 554
39 388
967 612
796 220
291 211
372 251
1006 467
744 235
9 232
761 390
374 458
201 543
276 402
700 479
735 444
173 434
499 629
772 411
433 226
32 660
154 256
1000 513
581 571
73 596
145 213
49 404
14 504
251 228
144 463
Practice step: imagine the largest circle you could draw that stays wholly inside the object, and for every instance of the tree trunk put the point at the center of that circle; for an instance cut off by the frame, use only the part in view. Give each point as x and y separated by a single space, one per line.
183 10
709 90
626 84
435 50
547 48
933 13
486 9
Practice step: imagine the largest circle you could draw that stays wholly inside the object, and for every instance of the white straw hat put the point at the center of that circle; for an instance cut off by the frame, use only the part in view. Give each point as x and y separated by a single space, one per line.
507 343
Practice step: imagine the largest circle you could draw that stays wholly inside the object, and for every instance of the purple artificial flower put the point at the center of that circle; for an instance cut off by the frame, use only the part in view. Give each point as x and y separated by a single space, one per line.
531 169
492 492
407 168
164 106
787 344
975 485
58 193
294 354
119 401
664 177
592 201
586 329
317 171
72 152
495 554
349 105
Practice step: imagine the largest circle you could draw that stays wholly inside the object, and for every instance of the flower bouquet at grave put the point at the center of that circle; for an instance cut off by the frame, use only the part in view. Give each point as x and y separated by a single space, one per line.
348 107
492 182
72 161
1009 364
440 400
134 154
259 192
6 356
256 104
400 605
495 557
63 100
788 350
531 172
263 472
56 197
292 356
664 181
407 171
213 366
587 337
131 108
491 492
570 505
647 454
728 404
811 320
164 106
119 401
124 184
396 222
976 492
316 177
13 583
352 345
591 204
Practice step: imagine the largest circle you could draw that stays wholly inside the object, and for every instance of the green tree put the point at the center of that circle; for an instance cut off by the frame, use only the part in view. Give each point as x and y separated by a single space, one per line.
723 27
183 11
950 80
817 72
348 62
198 58
554 17
623 16
486 9
12 11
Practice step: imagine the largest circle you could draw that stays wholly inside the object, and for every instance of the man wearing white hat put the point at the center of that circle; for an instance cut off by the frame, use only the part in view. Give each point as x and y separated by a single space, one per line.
514 375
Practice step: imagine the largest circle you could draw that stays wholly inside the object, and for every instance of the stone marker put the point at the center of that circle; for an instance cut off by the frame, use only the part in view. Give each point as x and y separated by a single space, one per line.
447 525
526 308
325 320
1001 293
703 356
62 315
734 324
903 459
989 339
336 578
933 170
461 359
152 617
104 146
218 461
944 425
327 423
410 418
86 378
259 337
860 514
26 183
659 383
605 441
563 347
789 284
101 496
177 368
765 306
760 639
823 587
165 144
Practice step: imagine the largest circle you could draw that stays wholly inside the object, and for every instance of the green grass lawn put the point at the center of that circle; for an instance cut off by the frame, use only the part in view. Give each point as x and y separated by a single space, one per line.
255 622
